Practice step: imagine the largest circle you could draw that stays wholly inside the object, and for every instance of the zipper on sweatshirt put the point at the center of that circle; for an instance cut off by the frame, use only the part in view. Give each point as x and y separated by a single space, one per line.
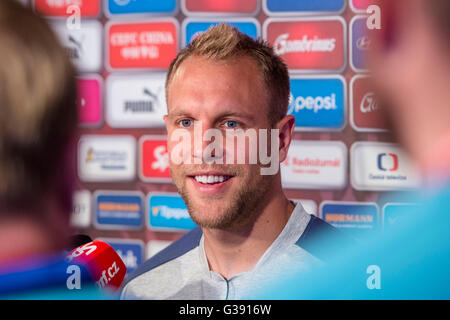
228 288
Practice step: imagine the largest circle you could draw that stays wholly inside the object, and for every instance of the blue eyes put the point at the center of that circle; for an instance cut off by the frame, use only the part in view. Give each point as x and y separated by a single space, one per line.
186 123
230 124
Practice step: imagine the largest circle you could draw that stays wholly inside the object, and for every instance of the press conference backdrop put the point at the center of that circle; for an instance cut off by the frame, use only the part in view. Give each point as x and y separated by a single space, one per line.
342 165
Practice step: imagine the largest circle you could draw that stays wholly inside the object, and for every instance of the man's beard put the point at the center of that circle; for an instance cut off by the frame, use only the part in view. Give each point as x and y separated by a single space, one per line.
240 210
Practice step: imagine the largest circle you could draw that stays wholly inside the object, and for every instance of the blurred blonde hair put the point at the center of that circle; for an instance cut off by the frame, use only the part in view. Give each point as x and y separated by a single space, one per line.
37 105
224 42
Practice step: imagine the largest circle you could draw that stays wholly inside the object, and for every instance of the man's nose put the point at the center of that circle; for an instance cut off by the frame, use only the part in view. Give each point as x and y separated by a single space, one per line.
207 142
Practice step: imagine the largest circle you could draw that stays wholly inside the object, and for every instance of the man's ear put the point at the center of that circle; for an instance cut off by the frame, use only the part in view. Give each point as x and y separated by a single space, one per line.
166 120
286 127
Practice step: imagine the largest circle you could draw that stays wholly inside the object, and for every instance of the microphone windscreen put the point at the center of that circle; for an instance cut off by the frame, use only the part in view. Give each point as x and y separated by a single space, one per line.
103 263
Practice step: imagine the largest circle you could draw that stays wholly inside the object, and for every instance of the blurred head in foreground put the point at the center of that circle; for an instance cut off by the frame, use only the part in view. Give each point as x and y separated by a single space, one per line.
410 66
37 119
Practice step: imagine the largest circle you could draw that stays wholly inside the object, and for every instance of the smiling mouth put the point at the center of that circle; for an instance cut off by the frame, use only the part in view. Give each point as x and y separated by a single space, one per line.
211 179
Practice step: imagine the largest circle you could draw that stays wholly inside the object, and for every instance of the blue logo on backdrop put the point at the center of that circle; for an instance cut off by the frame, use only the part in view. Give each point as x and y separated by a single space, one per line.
141 6
131 253
168 212
360 43
193 28
119 211
276 6
357 218
317 103
393 211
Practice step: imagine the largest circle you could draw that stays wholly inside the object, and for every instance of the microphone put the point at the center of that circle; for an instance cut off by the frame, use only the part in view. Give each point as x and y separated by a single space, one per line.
103 264
77 240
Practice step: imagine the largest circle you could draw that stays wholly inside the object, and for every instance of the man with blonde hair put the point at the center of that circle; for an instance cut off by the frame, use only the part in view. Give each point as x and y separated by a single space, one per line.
225 83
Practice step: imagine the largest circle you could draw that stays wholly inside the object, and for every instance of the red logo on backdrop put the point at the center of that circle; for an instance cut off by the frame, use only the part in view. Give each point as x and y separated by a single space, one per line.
63 8
154 162
142 45
366 115
224 6
308 44
89 101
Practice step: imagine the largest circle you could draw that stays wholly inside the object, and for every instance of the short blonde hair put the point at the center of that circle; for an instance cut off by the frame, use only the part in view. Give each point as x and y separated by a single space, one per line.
38 111
224 42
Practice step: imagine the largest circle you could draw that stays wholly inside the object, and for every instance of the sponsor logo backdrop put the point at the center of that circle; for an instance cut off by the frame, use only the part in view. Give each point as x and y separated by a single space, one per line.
342 165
